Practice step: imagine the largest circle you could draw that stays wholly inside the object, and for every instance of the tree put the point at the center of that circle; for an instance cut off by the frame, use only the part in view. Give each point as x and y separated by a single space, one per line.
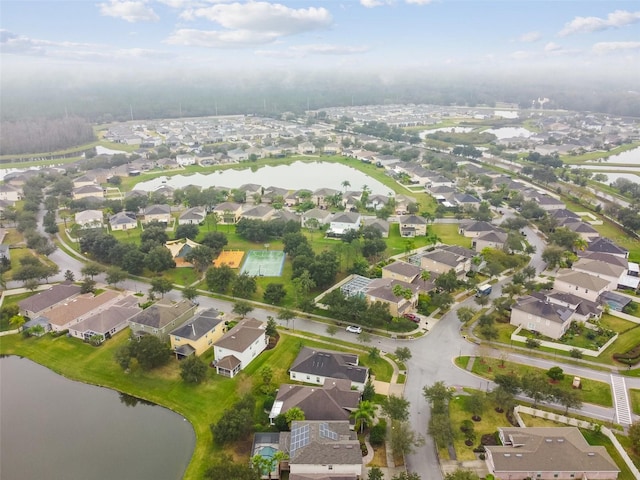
235 423
115 275
31 284
396 408
575 353
555 373
17 321
535 387
219 278
159 259
123 356
476 404
201 257
331 329
161 285
272 327
91 270
151 352
69 276
403 439
553 255
193 370
244 285
189 231
88 285
568 398
189 293
465 314
437 393
294 414
403 354
369 391
447 281
285 315
406 476
532 343
274 293
509 383
364 414
216 241
242 308
502 398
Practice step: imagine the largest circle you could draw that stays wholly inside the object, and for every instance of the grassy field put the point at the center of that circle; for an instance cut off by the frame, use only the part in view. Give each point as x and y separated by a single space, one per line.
79 361
634 398
448 233
578 159
595 392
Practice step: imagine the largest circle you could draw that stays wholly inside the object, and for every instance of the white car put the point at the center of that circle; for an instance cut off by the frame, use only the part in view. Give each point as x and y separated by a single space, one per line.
354 329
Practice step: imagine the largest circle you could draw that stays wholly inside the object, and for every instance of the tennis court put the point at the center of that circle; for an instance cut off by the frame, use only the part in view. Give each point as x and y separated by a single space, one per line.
233 258
264 263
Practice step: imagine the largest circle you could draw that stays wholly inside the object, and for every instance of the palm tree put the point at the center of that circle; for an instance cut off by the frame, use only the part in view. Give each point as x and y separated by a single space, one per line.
365 413
346 184
580 244
425 276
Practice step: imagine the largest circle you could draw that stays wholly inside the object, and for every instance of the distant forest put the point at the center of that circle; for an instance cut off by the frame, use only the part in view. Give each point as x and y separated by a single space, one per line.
271 96
43 135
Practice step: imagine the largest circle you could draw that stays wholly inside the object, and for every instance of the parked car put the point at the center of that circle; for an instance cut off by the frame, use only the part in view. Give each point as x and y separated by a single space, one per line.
354 329
412 317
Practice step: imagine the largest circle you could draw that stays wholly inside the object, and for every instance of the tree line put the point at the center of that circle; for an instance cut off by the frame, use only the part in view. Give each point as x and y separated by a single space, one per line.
38 135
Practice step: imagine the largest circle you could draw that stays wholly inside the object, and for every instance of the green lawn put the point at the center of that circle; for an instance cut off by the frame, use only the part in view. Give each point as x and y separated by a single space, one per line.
12 237
595 392
448 233
201 405
634 398
578 159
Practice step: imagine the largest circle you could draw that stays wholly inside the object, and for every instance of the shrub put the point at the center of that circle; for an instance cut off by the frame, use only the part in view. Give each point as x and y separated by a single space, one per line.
629 357
378 433
268 403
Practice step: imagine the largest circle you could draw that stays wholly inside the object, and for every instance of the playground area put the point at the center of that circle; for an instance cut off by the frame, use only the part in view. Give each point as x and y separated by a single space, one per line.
264 263
232 258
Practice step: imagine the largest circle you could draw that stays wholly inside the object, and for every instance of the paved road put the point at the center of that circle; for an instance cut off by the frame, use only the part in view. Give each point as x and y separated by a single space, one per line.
432 358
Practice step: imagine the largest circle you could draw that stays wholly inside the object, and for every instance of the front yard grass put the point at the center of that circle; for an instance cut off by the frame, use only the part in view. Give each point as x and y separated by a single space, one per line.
634 398
595 392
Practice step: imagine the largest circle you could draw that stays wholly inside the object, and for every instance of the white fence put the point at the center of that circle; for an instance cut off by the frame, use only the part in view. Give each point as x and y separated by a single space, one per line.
561 346
580 424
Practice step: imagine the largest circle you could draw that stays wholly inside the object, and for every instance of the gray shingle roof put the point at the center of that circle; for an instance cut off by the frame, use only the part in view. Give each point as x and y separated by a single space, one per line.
542 309
326 363
48 298
199 326
242 335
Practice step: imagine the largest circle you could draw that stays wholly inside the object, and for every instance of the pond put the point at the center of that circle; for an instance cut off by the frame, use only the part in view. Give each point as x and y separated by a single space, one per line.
612 177
424 133
53 427
630 157
298 175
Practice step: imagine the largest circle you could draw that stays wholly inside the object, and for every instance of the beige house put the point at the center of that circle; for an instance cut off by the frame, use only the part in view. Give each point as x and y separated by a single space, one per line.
413 226
606 271
159 213
495 239
161 318
228 212
549 319
10 193
382 290
88 191
581 284
403 271
65 315
552 453
43 301
441 261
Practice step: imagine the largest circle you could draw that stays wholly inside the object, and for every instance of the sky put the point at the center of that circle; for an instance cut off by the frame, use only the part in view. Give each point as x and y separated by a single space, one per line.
350 35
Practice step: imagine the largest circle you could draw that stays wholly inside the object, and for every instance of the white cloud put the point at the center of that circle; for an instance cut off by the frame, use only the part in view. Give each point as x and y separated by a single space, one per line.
419 2
552 47
373 3
617 19
130 10
530 37
249 24
521 55
603 48
326 49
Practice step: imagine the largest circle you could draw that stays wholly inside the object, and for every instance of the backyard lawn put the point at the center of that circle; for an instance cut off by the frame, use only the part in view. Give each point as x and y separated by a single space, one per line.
448 234
595 392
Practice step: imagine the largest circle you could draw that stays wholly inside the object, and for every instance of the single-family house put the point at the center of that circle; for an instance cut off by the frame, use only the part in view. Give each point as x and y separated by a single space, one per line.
87 191
331 149
377 201
548 453
123 221
239 346
180 249
612 273
383 290
259 212
412 226
321 196
36 305
583 309
161 318
192 216
605 245
83 181
378 224
158 213
64 315
322 451
89 219
494 239
549 203
228 212
342 222
185 159
107 322
586 231
465 200
197 335
238 155
403 271
441 261
323 217
319 366
549 319
402 204
334 401
474 228
306 148
581 284
10 193
285 216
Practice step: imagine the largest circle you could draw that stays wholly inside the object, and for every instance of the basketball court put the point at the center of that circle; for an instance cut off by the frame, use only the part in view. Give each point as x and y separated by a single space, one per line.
264 263
232 258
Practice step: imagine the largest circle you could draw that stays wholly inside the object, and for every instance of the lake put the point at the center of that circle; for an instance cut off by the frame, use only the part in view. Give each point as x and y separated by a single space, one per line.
298 175
630 157
52 427
424 133
510 132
